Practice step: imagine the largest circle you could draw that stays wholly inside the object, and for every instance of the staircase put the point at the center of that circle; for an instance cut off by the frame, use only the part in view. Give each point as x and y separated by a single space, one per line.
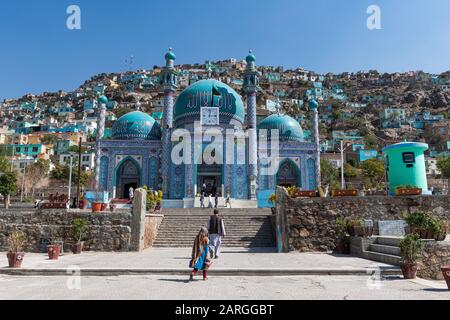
384 249
244 227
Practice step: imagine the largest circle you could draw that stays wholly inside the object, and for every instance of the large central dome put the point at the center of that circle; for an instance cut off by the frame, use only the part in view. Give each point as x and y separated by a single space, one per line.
209 93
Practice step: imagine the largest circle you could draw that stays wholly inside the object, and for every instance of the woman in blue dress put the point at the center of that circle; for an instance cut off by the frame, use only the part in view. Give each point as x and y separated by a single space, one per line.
201 259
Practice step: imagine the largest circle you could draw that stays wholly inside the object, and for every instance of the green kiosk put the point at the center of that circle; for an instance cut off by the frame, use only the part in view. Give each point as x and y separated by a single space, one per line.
405 165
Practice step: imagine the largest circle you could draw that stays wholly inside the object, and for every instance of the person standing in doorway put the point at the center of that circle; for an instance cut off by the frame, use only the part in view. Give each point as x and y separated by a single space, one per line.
202 200
216 229
131 193
210 205
228 201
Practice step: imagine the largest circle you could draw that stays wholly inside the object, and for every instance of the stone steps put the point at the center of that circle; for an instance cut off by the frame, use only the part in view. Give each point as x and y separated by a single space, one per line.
244 227
391 250
384 249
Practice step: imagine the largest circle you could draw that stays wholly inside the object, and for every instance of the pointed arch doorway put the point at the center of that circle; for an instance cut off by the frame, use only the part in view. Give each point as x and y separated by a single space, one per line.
127 175
288 174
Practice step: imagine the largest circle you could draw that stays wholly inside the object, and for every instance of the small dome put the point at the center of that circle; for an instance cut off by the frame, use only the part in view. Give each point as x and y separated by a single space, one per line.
170 55
103 99
313 104
288 128
136 125
251 57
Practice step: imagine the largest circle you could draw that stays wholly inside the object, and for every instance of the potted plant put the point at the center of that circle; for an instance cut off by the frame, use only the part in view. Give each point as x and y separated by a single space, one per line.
446 272
341 241
419 223
354 227
345 193
273 201
410 249
53 251
97 204
438 228
78 230
408 190
16 243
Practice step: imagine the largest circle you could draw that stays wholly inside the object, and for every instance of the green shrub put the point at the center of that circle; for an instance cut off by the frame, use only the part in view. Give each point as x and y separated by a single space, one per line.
341 228
410 248
78 229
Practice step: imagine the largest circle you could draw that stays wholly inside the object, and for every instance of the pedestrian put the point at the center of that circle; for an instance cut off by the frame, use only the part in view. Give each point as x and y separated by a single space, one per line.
216 229
228 201
131 193
202 200
210 205
201 259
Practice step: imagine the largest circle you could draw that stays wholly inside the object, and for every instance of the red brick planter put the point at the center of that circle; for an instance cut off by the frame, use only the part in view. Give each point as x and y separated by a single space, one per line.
446 273
15 259
54 251
408 192
345 193
409 270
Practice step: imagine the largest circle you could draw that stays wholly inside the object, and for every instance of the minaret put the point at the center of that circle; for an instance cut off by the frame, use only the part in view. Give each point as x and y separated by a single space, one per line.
314 107
169 82
100 133
251 83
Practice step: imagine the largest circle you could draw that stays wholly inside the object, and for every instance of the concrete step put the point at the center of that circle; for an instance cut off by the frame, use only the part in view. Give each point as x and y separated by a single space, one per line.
222 211
383 257
388 241
391 250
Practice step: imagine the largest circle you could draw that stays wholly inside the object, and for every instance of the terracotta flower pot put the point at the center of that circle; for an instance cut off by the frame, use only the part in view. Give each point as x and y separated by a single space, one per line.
54 251
77 248
15 259
446 272
409 270
342 246
96 206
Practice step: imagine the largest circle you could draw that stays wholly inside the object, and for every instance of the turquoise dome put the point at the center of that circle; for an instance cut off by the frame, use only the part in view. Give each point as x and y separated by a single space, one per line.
288 128
136 125
251 57
209 93
170 55
103 99
313 104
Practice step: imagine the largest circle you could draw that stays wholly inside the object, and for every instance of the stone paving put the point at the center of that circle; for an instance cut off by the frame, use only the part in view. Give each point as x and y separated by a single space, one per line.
178 258
221 288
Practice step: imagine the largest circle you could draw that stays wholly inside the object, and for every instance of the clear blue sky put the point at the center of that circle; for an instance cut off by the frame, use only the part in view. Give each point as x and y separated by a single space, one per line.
38 53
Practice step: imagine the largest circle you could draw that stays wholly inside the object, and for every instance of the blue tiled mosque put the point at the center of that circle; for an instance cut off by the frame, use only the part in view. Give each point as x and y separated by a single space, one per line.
140 151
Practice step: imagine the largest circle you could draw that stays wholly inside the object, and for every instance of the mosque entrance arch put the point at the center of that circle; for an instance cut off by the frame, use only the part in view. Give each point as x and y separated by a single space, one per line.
210 176
127 175
288 174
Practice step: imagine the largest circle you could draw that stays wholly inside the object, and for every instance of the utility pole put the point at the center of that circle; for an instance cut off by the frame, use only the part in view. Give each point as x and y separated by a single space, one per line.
79 173
22 187
342 165
70 180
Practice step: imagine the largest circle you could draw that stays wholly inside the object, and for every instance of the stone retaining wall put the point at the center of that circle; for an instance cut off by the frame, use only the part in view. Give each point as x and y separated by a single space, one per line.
307 224
104 232
434 255
152 223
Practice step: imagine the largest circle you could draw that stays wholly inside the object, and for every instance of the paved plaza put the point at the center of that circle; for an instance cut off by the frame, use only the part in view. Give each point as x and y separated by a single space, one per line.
222 288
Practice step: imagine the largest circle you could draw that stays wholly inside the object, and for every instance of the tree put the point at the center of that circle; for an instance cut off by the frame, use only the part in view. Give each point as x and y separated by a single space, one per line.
122 111
443 165
371 141
75 149
330 175
373 171
36 173
62 172
5 166
8 186
350 171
